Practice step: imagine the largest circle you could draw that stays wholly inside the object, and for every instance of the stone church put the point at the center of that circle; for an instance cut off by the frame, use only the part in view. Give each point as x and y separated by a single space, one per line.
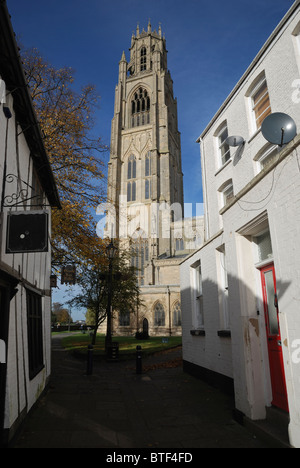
145 186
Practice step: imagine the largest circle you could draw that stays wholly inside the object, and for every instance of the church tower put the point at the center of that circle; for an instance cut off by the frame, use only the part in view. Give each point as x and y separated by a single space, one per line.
145 159
145 180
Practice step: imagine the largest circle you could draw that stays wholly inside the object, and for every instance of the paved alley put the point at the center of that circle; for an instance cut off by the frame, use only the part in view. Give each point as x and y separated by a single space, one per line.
115 408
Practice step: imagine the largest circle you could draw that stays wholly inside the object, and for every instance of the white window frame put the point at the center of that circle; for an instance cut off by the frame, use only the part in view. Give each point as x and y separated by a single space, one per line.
265 156
222 160
253 91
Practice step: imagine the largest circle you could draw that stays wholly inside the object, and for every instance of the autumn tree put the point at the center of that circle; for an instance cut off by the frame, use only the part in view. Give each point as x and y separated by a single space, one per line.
66 118
95 284
60 313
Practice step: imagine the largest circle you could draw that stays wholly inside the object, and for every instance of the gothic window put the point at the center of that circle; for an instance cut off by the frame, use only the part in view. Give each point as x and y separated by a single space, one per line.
140 108
131 173
143 59
148 170
159 315
177 315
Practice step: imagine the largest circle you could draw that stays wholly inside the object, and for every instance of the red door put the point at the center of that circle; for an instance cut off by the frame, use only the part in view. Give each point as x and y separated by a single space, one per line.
274 338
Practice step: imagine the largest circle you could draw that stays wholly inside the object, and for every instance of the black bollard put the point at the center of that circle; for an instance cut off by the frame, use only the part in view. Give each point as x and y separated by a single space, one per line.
138 359
89 368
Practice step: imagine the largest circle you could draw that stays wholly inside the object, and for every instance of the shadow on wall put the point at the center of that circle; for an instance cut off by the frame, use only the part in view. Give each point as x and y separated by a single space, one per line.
231 338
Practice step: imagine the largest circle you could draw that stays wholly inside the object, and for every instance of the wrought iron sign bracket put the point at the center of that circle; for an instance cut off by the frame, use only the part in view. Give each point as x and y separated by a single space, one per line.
21 196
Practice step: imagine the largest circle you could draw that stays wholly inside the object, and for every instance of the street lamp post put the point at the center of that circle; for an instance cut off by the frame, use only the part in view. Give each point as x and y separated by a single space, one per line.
169 309
110 252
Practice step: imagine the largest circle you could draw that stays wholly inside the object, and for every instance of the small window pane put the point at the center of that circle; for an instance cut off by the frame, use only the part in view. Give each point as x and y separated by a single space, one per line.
228 194
264 245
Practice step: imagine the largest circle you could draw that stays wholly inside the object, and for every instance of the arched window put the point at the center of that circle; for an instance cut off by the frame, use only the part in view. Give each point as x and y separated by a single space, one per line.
159 315
143 59
177 315
226 192
140 108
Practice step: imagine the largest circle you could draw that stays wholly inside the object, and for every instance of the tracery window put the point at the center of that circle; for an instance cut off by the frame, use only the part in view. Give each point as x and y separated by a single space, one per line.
159 315
140 108
177 315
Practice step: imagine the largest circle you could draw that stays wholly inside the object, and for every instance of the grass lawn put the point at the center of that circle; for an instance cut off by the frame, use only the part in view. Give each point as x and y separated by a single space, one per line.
127 345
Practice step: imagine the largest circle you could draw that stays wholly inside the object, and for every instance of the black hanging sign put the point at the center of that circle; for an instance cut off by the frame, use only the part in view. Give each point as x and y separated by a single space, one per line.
27 231
68 274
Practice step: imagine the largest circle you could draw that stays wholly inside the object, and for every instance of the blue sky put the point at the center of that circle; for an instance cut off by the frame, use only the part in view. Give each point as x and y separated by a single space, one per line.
210 44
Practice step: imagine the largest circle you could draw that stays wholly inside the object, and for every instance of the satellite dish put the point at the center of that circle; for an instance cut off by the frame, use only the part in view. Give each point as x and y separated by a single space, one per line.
235 141
279 128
